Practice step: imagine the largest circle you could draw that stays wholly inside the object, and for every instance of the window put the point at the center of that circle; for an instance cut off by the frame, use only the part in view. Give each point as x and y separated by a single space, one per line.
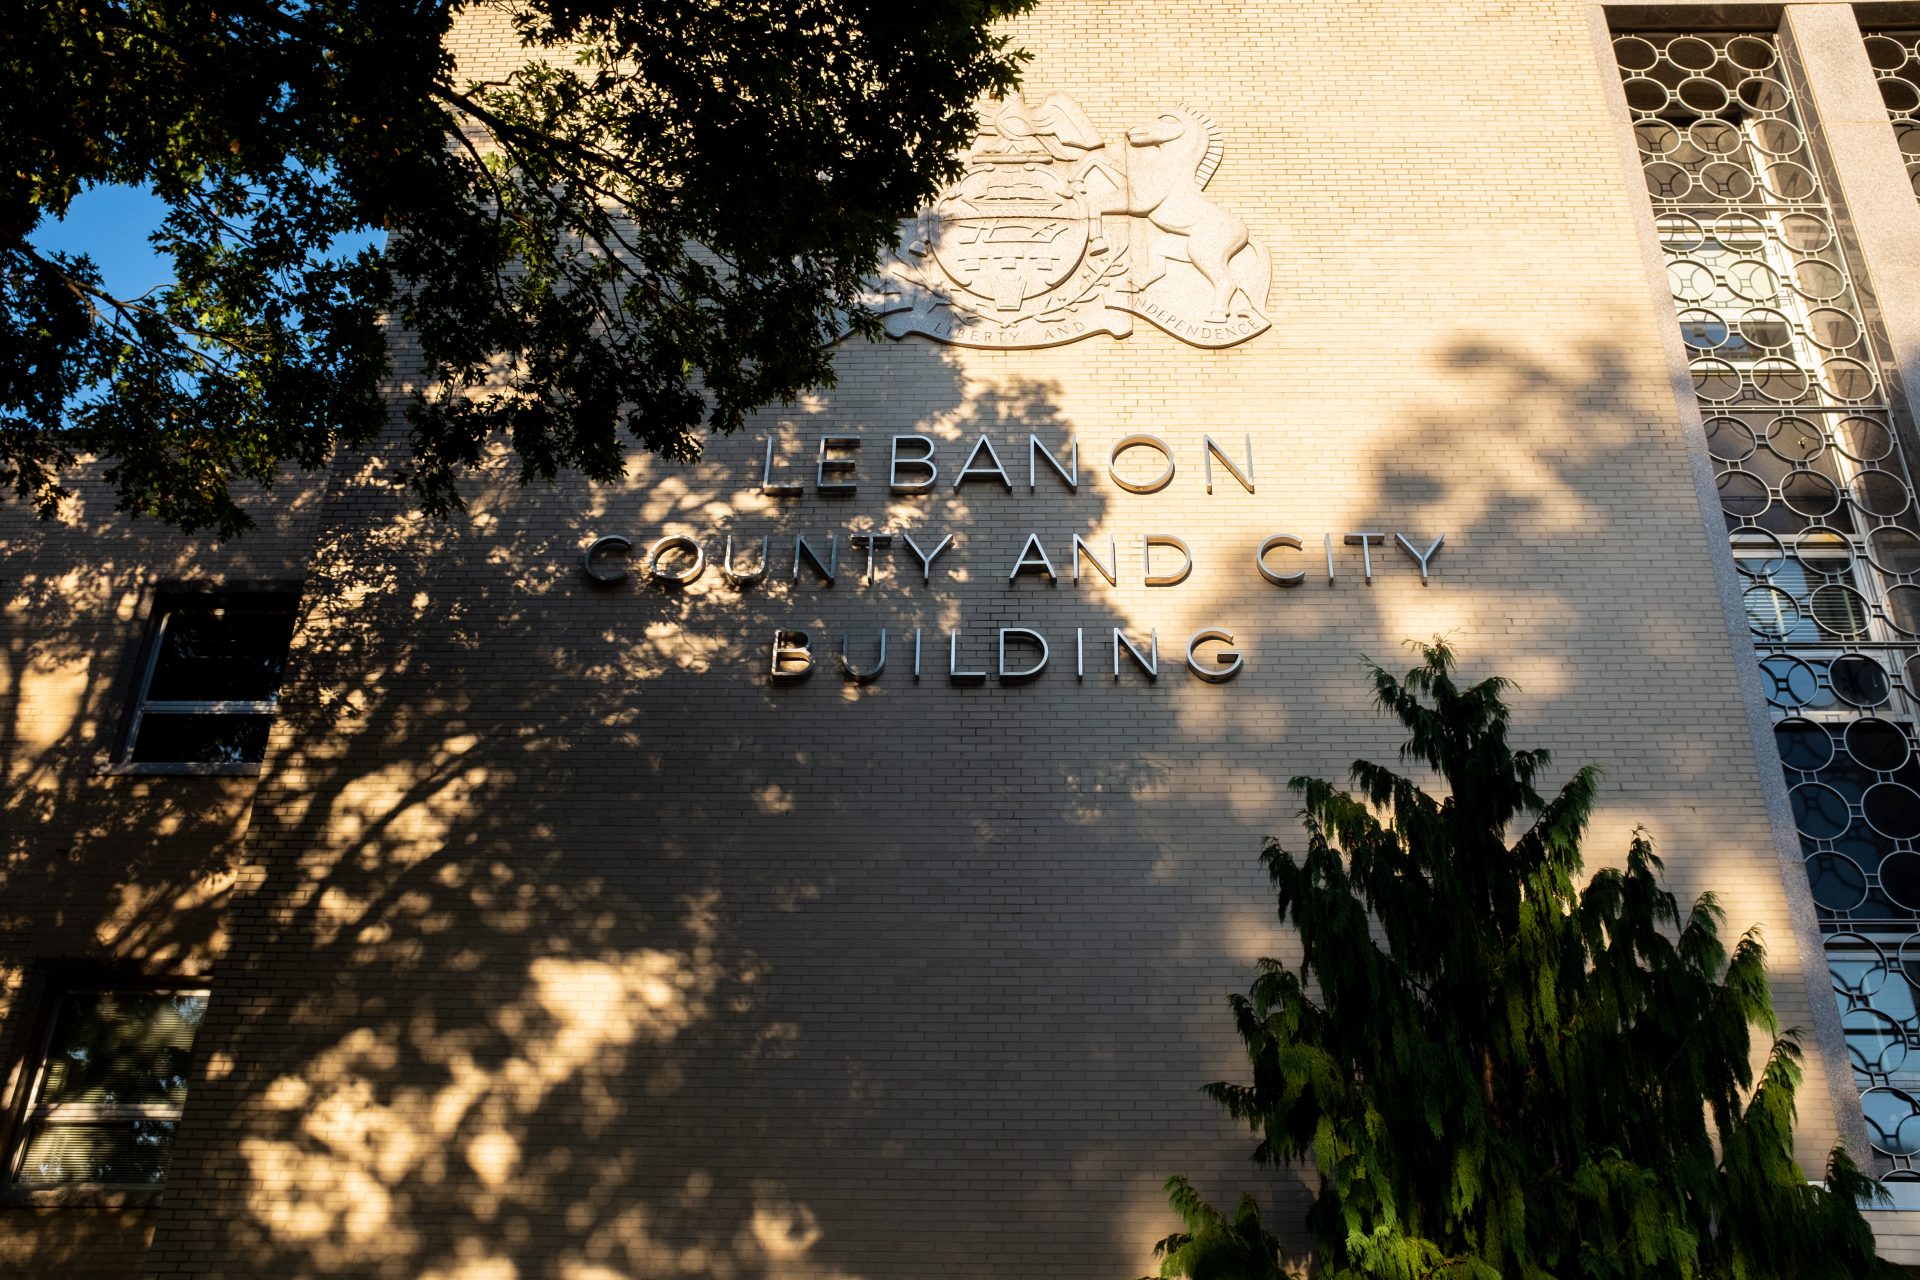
209 680
1821 509
107 1090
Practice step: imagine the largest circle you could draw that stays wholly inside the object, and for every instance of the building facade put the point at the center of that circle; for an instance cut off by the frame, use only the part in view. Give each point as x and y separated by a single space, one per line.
831 859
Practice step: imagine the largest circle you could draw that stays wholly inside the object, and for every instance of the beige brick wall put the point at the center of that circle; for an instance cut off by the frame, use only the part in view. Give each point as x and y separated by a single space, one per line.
132 873
570 947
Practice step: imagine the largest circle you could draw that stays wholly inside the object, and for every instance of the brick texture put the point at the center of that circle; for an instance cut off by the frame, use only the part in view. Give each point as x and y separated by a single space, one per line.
566 945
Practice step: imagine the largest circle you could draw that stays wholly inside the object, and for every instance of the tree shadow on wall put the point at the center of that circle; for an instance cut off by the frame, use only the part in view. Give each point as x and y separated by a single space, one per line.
1577 563
103 874
572 946
69 633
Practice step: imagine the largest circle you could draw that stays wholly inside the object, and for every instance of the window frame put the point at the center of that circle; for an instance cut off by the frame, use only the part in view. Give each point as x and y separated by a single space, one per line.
26 1115
162 601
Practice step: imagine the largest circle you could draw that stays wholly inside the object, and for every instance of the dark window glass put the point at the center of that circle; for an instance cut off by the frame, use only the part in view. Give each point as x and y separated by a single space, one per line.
201 739
122 1153
123 1046
211 680
110 1088
227 652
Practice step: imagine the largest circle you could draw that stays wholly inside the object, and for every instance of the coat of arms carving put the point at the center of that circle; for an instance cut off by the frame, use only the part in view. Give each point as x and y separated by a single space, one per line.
1052 235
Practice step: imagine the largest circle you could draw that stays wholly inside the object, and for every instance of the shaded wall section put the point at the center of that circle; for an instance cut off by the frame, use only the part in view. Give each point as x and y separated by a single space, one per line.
99 873
572 946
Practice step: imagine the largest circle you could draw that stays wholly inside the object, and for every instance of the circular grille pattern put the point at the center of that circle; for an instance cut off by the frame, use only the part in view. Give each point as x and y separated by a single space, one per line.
1817 501
1895 56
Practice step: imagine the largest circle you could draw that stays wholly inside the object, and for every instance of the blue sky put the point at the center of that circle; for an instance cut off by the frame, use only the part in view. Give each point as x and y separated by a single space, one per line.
112 225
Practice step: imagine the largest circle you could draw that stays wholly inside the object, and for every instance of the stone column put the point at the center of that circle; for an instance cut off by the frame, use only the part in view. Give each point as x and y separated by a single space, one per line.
1878 219
1827 56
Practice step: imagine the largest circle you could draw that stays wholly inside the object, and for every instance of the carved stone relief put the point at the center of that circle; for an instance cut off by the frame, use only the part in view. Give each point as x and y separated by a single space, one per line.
1052 235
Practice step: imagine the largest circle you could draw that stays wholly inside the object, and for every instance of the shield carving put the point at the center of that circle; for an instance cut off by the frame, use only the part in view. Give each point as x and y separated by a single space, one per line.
1010 235
1053 235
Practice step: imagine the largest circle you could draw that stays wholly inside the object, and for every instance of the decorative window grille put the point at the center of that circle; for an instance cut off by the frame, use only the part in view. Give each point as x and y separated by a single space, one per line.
108 1090
210 679
1895 56
1819 507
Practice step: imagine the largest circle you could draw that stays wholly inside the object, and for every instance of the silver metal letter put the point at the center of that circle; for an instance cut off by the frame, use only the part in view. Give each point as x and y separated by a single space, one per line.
872 542
1278 579
612 542
1209 451
854 673
1024 673
827 570
1069 473
735 576
1154 485
828 463
1366 542
971 472
926 557
924 460
792 659
1079 653
785 489
1173 579
675 542
1421 558
1228 661
1107 570
954 674
1033 556
1329 559
1148 662
916 653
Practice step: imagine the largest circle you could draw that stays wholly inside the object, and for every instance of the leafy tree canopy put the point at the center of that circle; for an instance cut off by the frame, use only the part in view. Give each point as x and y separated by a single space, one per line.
1213 1246
1498 1073
650 220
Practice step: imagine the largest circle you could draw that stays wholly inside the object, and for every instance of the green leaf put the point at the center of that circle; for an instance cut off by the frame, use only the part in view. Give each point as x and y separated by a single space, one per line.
1502 1073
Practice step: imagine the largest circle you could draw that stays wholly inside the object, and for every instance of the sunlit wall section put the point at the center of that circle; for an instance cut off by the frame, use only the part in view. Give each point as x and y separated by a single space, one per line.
1819 508
1895 56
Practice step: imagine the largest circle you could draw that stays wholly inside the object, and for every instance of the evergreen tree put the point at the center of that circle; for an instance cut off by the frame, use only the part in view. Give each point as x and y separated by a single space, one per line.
1499 1074
1213 1246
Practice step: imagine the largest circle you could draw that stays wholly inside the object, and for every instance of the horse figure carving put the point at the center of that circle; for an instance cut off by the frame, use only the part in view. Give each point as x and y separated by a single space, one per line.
1169 162
1053 233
